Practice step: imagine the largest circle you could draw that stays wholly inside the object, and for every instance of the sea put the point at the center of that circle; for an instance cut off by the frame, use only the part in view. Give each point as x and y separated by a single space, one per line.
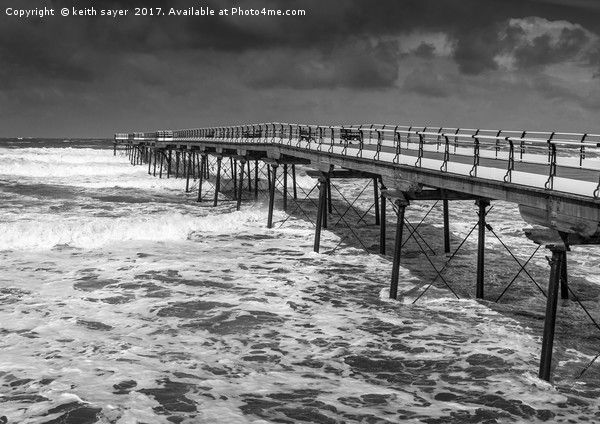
125 300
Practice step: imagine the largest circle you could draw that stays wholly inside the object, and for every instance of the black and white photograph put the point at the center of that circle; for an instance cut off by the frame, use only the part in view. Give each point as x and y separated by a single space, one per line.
299 211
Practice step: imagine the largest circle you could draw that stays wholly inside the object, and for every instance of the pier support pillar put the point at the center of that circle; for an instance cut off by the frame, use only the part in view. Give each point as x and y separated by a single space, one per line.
233 169
218 182
483 204
285 186
207 168
329 204
321 212
160 169
169 163
155 160
249 177
149 157
564 281
376 201
193 157
294 182
402 204
382 226
255 179
272 182
198 166
201 176
446 227
551 306
241 184
188 170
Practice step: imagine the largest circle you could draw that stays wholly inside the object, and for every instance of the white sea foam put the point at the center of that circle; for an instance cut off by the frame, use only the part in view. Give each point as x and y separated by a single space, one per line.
239 323
46 232
67 162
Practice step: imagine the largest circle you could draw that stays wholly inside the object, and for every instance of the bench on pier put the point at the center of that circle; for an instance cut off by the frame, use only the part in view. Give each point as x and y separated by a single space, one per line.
349 135
305 135
252 134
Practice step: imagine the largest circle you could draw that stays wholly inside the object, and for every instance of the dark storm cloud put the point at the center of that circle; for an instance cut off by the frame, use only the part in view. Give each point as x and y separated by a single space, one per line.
359 64
424 51
475 52
583 4
90 46
593 59
28 50
546 48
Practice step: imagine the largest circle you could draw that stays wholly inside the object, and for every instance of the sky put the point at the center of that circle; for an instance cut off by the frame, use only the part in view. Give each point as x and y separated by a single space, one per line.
493 64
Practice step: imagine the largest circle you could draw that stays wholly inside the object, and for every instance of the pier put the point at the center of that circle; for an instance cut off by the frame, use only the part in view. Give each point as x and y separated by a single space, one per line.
554 178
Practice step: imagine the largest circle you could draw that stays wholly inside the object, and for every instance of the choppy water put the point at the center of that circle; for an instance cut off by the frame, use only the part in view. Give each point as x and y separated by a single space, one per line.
122 300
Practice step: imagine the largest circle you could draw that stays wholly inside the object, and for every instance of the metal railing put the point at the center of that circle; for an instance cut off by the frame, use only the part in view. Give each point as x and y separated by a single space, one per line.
491 154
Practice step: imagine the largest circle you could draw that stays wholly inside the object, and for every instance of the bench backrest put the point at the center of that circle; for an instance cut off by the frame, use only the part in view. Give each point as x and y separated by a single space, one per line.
351 134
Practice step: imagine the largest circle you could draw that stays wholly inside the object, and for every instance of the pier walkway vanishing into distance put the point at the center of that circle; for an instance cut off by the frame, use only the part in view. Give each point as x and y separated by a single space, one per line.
553 177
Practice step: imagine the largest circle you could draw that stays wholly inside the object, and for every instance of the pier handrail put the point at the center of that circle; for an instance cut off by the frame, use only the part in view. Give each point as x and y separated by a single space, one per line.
419 146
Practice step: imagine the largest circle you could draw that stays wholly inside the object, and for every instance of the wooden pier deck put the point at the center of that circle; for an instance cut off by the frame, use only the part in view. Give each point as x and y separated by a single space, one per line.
553 177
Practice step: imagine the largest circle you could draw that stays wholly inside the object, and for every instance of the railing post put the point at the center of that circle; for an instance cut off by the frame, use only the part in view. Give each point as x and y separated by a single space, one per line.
361 143
444 167
511 160
421 142
379 143
398 148
473 171
332 141
582 150
552 172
